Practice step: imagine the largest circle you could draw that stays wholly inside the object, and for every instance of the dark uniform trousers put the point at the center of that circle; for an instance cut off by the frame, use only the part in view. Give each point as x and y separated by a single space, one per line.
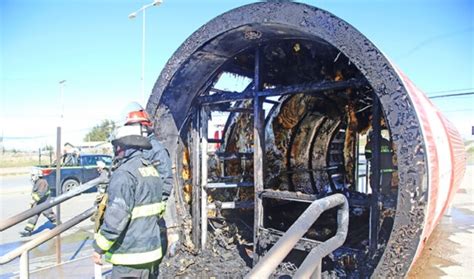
40 194
144 271
48 213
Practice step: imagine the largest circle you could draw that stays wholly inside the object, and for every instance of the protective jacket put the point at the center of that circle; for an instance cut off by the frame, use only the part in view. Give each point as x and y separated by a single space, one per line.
160 158
130 233
40 190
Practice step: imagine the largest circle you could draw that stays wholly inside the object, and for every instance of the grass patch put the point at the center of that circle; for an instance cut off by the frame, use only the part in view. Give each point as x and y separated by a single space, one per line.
19 159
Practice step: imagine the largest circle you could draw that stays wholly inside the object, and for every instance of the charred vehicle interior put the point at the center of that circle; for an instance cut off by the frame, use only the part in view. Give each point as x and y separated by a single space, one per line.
295 130
316 108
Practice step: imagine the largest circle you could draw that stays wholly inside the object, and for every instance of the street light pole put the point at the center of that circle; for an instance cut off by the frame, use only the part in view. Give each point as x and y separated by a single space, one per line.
143 55
61 87
132 16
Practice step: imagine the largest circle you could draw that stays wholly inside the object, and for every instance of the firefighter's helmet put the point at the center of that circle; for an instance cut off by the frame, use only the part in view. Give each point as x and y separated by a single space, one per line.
36 174
135 114
130 136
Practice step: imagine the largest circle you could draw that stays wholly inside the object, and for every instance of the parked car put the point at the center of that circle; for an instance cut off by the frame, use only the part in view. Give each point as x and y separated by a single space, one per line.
74 171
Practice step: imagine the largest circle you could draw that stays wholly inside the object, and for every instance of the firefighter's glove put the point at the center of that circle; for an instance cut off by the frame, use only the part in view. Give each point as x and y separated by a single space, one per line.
162 209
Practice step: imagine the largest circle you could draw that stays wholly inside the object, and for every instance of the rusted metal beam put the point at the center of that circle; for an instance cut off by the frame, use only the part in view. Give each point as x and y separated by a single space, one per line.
234 155
225 96
196 220
307 88
259 148
312 87
287 195
271 236
204 172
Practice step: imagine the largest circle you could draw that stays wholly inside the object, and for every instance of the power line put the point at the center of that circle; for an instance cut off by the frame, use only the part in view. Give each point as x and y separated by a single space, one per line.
434 39
450 91
452 95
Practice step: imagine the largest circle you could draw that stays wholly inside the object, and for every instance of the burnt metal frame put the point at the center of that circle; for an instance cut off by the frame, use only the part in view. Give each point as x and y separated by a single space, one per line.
259 152
258 94
196 192
204 117
307 88
375 177
187 70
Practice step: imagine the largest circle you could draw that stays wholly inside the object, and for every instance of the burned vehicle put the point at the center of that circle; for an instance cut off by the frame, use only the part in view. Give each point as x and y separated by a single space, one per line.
296 132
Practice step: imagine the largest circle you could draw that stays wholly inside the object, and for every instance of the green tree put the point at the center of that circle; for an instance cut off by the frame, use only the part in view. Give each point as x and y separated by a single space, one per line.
101 132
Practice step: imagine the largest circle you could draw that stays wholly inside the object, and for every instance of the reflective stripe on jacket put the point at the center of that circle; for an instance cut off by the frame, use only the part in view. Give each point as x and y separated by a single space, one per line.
40 190
130 233
386 152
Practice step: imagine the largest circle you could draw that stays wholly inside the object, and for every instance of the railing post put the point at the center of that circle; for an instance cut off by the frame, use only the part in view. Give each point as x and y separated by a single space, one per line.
317 272
204 172
97 271
24 265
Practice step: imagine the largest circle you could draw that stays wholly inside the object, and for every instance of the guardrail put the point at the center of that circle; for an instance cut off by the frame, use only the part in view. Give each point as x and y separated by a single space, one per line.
311 266
23 250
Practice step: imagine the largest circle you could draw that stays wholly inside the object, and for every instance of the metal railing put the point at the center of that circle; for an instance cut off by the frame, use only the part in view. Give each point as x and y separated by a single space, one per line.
23 250
9 222
311 266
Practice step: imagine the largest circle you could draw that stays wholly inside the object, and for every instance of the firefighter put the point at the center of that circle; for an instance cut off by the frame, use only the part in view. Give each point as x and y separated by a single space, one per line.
135 115
386 164
39 195
130 235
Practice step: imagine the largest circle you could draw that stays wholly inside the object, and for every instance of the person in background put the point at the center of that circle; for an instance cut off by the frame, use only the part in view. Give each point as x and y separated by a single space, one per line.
386 163
39 195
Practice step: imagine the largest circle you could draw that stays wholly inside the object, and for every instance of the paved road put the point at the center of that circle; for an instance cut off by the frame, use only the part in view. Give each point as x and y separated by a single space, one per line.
14 184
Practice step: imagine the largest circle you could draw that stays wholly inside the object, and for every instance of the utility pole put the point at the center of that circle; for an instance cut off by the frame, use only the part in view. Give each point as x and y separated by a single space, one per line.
58 167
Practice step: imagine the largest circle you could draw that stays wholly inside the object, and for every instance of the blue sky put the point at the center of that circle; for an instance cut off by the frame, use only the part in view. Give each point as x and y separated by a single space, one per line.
95 47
